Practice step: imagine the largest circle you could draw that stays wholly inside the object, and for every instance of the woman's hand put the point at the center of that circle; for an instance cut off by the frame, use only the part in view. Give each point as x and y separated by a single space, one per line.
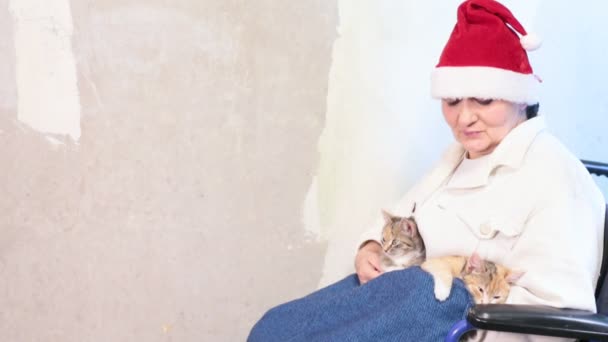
367 262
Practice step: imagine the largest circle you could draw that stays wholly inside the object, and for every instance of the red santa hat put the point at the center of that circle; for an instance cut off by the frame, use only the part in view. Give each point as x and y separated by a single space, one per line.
485 57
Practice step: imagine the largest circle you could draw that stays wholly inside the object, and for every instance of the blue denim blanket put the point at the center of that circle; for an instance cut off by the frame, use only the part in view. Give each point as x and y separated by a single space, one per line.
397 306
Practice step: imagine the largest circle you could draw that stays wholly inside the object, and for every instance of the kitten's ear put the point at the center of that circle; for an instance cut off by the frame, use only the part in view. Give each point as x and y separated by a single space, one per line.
388 218
513 276
475 264
408 227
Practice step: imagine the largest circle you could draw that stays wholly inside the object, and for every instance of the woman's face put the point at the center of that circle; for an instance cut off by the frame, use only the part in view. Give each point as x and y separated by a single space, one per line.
480 125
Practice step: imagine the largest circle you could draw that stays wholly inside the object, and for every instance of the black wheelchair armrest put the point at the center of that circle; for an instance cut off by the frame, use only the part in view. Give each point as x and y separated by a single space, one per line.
600 169
539 320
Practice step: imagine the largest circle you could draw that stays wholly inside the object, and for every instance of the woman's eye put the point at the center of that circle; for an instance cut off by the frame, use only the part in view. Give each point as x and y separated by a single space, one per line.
452 102
483 102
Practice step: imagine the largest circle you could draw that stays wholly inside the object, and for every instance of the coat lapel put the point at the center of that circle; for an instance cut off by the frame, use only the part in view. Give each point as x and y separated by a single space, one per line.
440 174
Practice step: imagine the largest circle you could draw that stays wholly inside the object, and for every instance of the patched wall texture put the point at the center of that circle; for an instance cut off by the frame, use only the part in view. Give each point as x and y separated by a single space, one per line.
177 215
169 170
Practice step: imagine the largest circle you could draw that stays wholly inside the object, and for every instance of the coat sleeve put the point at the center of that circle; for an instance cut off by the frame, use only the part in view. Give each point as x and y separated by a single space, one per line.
560 250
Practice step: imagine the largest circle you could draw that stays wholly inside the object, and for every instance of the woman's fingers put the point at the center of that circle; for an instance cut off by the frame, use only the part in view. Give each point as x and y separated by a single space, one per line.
374 261
367 262
368 273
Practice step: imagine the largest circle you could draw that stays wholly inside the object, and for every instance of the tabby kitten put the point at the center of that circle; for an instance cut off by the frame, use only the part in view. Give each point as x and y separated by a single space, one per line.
401 243
488 283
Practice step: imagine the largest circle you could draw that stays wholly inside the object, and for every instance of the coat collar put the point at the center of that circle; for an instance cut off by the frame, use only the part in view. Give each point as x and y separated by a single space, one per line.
510 152
513 148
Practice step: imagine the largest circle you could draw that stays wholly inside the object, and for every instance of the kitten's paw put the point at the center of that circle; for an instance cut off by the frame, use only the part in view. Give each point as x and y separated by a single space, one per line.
442 292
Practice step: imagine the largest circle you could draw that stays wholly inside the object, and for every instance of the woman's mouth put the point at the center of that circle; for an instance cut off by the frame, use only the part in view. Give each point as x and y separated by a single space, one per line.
471 134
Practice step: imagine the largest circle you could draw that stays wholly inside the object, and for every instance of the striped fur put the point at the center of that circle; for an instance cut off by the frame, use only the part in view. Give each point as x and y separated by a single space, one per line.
401 242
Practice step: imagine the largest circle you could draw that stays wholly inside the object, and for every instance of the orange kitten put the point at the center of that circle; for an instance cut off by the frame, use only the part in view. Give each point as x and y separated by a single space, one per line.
401 243
487 282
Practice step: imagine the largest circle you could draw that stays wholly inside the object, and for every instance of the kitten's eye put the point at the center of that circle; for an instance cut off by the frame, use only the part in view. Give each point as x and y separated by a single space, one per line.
452 102
483 102
496 297
480 289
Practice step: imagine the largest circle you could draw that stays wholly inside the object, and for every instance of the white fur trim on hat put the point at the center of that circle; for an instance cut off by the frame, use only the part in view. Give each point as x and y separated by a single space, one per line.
485 83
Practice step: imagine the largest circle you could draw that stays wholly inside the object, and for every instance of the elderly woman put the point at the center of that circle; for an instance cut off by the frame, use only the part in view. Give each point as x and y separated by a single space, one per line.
507 189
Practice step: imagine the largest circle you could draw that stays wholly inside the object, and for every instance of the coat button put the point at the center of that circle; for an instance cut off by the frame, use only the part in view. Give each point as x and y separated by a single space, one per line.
485 229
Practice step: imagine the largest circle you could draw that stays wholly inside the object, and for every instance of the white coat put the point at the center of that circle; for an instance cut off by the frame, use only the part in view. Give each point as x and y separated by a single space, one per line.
531 206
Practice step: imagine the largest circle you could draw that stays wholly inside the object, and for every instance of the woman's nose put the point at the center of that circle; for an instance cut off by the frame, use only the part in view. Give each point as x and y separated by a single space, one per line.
467 115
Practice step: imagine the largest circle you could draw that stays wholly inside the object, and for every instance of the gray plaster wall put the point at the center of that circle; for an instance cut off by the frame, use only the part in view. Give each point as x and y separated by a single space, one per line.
177 215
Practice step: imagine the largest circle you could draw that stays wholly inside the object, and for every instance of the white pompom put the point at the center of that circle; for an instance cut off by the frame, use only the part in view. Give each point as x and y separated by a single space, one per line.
530 42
